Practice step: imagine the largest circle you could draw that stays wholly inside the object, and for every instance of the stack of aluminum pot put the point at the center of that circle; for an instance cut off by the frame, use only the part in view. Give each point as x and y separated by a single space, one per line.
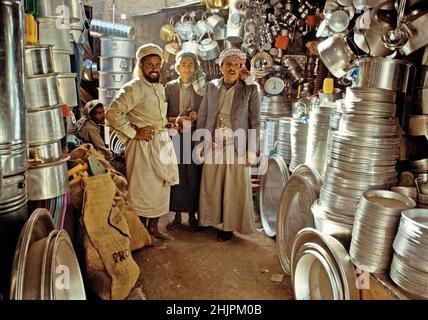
47 174
13 135
116 65
60 25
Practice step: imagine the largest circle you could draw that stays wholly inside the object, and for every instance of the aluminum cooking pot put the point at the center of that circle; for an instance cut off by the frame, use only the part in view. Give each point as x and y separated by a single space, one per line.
167 32
216 4
117 47
215 22
106 95
60 38
114 80
41 91
45 125
48 180
337 55
72 9
38 60
191 46
67 88
185 28
101 27
61 62
418 36
116 64
47 152
170 52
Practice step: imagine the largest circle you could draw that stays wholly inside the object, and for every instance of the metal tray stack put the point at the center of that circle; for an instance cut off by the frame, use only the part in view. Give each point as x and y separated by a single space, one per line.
363 155
319 123
299 137
47 173
409 268
271 185
321 268
284 138
375 226
41 254
271 136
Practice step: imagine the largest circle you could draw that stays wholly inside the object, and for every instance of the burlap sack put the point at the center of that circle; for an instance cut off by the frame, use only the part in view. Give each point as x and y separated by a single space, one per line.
140 237
112 272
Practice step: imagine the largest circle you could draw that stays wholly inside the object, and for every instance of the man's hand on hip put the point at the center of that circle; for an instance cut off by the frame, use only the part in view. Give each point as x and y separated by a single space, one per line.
146 133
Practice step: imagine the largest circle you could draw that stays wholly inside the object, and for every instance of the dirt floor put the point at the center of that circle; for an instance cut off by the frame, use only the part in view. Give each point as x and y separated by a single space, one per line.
197 266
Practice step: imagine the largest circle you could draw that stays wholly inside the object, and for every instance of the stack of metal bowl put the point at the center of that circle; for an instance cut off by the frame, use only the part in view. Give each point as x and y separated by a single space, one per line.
299 137
409 268
47 173
333 127
375 226
319 123
284 138
271 135
116 66
363 156
275 106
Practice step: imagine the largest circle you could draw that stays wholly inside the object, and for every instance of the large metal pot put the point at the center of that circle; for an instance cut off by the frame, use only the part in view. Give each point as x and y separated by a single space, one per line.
70 10
216 4
383 73
47 152
209 49
58 36
100 28
45 125
114 80
41 91
336 55
12 111
61 61
38 60
67 88
106 95
116 64
117 47
48 180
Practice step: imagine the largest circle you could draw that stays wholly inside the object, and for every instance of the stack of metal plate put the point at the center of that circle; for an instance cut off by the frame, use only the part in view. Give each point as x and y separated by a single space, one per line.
321 268
271 186
375 226
319 123
271 135
409 268
275 106
299 138
419 167
284 137
334 123
363 155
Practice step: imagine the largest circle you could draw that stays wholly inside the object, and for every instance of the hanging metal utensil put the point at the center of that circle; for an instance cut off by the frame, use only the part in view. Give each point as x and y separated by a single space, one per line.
397 38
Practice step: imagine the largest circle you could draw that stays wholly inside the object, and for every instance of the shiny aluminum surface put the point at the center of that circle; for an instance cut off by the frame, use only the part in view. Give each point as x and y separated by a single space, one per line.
48 180
113 80
59 38
38 60
67 88
47 152
116 64
42 91
61 62
12 112
117 47
284 137
58 9
271 186
106 95
299 135
45 125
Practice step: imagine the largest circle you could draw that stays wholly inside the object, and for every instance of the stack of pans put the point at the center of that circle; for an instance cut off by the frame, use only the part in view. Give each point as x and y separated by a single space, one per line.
333 127
363 155
409 268
375 226
274 107
45 266
270 135
321 268
284 138
299 136
271 185
319 123
419 167
47 174
116 66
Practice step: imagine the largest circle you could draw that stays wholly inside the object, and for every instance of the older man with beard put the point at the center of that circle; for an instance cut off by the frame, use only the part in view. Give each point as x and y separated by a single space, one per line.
230 112
138 114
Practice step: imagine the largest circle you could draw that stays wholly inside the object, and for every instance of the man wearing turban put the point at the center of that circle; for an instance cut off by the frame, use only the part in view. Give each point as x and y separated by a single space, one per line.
138 114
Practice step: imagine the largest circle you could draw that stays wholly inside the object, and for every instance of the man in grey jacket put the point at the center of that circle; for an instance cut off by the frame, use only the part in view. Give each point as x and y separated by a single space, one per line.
230 112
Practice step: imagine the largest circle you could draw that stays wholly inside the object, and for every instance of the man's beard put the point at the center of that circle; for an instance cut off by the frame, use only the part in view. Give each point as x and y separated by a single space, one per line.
150 79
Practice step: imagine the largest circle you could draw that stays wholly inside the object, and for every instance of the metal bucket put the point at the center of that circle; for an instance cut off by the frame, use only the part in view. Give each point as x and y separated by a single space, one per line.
58 36
70 10
45 125
41 91
48 180
38 60
114 80
12 112
100 28
67 88
47 152
117 47
116 64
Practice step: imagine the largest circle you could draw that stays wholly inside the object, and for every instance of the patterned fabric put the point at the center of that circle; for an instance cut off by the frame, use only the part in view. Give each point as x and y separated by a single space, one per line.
232 53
